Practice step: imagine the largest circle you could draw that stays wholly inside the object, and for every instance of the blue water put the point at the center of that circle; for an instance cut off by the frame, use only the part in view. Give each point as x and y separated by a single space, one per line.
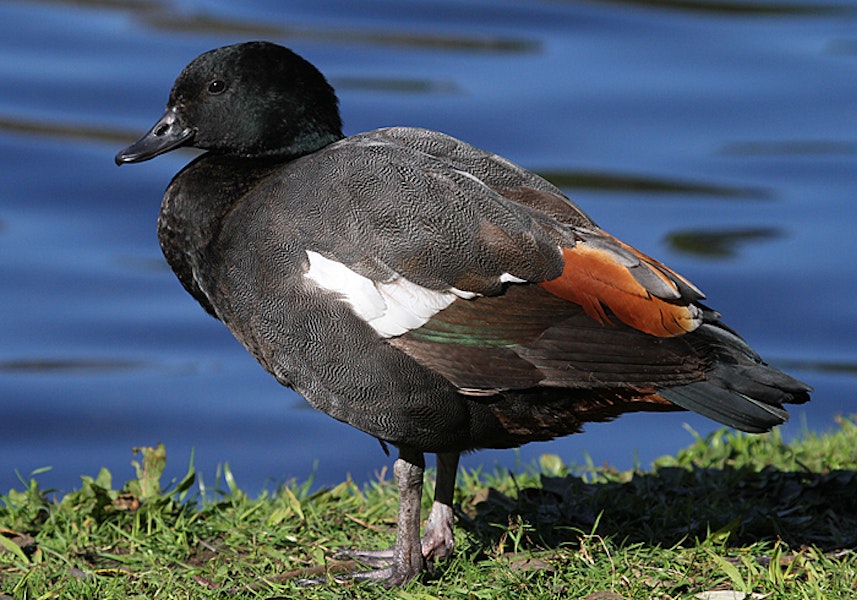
721 138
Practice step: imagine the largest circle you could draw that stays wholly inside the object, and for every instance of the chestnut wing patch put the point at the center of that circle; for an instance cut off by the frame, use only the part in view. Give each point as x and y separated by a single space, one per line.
602 273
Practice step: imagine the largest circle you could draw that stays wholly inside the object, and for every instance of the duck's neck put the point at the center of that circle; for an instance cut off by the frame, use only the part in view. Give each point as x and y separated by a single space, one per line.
301 145
307 143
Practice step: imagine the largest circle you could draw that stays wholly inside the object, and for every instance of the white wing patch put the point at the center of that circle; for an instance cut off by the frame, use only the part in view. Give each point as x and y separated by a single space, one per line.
392 307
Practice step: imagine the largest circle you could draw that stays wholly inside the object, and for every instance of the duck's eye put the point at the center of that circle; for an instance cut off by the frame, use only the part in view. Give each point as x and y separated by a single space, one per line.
216 87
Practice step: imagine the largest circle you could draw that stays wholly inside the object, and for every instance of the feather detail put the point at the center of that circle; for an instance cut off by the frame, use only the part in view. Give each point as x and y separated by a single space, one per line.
392 307
603 273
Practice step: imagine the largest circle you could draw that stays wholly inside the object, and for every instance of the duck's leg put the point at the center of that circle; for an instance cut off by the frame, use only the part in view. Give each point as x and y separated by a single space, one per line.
438 542
405 560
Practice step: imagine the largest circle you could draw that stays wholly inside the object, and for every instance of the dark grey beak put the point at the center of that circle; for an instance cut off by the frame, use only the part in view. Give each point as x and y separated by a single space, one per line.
167 134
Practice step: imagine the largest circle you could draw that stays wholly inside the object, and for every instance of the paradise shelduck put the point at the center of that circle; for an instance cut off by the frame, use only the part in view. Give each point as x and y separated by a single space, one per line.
429 293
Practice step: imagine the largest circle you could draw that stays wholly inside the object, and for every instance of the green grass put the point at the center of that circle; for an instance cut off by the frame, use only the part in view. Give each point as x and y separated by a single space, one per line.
735 512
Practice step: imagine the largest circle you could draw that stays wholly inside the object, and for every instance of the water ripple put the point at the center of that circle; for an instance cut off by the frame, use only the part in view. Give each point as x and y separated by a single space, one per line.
719 243
65 130
610 181
66 365
745 7
199 23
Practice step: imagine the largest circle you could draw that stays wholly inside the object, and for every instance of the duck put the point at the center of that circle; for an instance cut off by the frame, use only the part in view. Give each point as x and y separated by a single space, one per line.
429 293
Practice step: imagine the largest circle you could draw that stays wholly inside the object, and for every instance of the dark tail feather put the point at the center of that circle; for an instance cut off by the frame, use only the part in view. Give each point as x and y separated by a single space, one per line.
741 391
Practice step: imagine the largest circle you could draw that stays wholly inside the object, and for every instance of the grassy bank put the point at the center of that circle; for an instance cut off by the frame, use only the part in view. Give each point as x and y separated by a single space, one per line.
731 516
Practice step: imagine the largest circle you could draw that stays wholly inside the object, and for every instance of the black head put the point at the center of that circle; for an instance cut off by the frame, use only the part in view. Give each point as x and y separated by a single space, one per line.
252 99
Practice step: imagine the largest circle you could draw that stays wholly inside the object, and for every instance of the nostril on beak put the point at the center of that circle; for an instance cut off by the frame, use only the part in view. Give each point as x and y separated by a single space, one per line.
162 130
